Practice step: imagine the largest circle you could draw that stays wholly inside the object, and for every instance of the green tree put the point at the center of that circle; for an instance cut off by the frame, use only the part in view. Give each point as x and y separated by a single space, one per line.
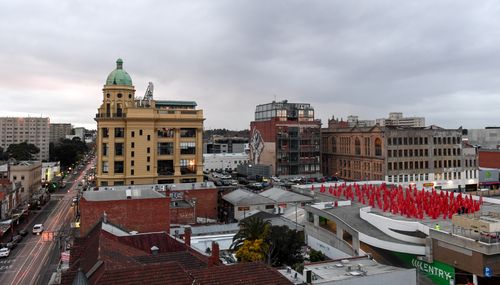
316 255
284 246
251 228
22 151
67 152
251 250
3 155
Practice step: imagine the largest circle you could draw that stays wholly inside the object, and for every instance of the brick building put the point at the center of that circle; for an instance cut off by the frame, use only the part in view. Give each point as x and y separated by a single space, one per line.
287 137
155 258
187 200
427 157
134 210
489 158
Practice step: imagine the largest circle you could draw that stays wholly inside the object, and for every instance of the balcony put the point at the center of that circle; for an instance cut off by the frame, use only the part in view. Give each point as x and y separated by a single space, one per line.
117 116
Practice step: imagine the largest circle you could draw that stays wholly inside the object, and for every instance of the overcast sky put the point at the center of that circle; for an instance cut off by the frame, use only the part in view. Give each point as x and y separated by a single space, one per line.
436 59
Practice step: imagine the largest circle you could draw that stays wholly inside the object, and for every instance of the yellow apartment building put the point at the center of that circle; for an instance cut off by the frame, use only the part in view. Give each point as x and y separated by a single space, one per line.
145 141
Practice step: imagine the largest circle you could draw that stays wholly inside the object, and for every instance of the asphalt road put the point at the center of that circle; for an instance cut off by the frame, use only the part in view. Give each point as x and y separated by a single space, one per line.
36 256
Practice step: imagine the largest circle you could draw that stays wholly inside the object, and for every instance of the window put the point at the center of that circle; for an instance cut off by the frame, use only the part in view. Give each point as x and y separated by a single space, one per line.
105 132
166 148
149 137
187 166
132 145
131 163
131 172
357 146
334 145
132 134
166 133
148 150
132 154
105 167
140 132
118 148
119 132
188 132
165 167
148 168
148 159
188 147
378 147
104 149
118 166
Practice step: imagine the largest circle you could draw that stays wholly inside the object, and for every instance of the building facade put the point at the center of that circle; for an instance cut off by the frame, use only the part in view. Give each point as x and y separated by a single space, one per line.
15 130
28 174
224 161
396 119
59 131
146 141
427 157
287 137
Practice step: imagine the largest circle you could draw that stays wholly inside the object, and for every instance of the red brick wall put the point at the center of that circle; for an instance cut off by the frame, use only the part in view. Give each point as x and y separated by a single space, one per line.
206 201
267 130
181 215
489 159
142 215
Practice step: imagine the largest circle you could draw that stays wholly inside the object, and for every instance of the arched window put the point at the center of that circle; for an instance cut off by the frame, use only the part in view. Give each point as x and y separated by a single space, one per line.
119 110
378 147
357 146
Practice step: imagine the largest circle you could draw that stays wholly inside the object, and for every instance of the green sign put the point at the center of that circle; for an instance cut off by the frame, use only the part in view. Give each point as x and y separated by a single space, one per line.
440 273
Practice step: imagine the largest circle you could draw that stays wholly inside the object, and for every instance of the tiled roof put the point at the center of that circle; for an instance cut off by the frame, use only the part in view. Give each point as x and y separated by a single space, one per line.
184 258
239 274
152 274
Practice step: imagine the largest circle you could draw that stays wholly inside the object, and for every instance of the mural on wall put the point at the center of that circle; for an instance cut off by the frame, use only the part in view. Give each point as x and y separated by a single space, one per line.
256 146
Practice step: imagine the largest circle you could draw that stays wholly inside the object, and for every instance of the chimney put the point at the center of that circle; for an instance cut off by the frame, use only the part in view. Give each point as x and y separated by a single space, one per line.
187 236
154 250
213 260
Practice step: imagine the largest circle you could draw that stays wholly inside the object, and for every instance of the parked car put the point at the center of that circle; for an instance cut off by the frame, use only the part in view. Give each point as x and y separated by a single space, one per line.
17 238
37 229
22 233
4 252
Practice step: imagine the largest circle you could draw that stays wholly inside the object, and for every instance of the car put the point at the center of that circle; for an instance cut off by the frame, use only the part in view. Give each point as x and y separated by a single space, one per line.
17 238
22 233
37 229
75 199
4 252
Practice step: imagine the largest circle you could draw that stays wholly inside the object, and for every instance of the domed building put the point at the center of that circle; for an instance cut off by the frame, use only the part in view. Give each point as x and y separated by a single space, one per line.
146 141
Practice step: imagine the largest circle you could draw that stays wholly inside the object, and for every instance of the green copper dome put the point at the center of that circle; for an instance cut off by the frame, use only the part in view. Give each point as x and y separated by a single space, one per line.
119 76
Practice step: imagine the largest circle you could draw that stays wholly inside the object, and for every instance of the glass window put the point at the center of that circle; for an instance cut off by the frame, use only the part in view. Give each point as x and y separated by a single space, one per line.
105 132
105 166
165 148
166 133
165 167
188 147
118 166
188 132
104 149
118 148
187 166
119 132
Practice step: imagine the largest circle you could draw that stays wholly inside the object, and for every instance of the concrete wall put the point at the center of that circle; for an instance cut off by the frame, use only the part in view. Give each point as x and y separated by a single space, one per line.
387 225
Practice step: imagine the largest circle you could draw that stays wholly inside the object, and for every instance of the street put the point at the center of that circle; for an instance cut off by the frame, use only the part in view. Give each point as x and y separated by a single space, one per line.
36 256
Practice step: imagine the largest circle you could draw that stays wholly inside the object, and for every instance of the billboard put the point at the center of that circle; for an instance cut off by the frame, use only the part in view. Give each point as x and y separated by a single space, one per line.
488 175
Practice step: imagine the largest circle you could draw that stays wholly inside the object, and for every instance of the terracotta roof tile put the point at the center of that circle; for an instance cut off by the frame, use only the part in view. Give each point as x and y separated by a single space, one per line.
239 274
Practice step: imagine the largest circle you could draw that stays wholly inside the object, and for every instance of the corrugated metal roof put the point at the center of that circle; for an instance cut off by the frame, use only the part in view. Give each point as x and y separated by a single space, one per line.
284 196
245 197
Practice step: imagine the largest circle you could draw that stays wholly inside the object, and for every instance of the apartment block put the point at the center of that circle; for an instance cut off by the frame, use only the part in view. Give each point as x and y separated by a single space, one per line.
15 130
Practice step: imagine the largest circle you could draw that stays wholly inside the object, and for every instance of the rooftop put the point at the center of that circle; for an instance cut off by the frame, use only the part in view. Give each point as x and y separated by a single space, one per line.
121 194
284 196
245 197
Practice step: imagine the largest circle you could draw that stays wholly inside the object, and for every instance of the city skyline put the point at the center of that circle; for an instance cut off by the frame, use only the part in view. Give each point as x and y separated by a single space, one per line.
426 59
